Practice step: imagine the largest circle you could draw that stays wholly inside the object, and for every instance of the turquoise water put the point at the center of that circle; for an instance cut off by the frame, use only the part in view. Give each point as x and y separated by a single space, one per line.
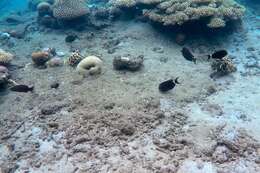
8 6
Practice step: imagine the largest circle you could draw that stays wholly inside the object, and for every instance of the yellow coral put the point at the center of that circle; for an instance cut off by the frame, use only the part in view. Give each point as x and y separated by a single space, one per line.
5 57
172 12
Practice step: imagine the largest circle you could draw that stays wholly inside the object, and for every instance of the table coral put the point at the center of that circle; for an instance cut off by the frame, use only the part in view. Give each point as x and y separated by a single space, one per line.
177 12
69 9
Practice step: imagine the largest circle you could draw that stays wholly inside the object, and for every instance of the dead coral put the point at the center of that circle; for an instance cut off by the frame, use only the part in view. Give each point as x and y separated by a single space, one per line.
177 12
223 66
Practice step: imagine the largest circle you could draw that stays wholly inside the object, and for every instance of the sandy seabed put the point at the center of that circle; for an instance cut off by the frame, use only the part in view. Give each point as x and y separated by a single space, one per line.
119 121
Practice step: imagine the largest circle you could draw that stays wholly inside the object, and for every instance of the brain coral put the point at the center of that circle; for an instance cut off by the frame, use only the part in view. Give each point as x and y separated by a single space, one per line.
5 57
90 65
177 12
69 9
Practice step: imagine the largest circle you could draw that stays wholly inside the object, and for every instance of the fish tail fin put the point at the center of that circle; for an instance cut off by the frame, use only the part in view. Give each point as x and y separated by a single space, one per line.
209 56
176 80
31 88
195 60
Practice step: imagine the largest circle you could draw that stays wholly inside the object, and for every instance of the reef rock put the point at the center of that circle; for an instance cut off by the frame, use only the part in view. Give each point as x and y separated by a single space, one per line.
222 67
215 13
3 75
55 62
69 9
126 63
5 57
90 65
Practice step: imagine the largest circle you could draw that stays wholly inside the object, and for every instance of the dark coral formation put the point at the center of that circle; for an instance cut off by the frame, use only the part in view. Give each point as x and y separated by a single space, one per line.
177 12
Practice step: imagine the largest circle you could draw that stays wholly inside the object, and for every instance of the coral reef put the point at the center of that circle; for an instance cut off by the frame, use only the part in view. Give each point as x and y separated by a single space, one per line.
177 12
223 67
126 63
69 9
5 57
40 58
74 58
90 65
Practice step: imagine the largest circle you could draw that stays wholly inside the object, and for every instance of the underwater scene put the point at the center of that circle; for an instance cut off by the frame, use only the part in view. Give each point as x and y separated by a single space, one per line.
129 86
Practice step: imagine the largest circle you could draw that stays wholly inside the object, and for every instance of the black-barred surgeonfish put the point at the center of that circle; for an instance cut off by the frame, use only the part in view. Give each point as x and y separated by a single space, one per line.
168 85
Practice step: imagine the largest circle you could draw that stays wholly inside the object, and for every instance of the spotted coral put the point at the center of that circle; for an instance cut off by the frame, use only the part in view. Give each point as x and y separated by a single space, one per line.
74 58
177 12
5 57
69 9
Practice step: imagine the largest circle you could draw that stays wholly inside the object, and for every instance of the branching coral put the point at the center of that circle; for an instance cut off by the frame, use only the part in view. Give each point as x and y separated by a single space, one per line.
69 9
176 12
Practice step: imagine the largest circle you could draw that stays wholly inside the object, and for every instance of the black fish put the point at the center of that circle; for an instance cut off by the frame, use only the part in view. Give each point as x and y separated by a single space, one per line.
188 55
218 54
168 85
22 88
71 38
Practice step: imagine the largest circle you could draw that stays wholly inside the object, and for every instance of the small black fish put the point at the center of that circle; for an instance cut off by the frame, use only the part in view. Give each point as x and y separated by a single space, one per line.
168 85
188 55
218 54
71 38
22 88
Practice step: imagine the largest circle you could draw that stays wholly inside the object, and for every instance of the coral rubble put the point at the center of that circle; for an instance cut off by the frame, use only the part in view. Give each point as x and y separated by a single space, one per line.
216 13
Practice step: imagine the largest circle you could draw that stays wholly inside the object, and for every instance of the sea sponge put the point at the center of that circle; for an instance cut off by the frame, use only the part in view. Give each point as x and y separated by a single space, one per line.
90 65
215 13
5 57
69 9
40 58
74 58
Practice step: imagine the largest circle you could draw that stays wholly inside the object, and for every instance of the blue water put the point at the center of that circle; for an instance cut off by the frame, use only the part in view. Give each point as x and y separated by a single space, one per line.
8 6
